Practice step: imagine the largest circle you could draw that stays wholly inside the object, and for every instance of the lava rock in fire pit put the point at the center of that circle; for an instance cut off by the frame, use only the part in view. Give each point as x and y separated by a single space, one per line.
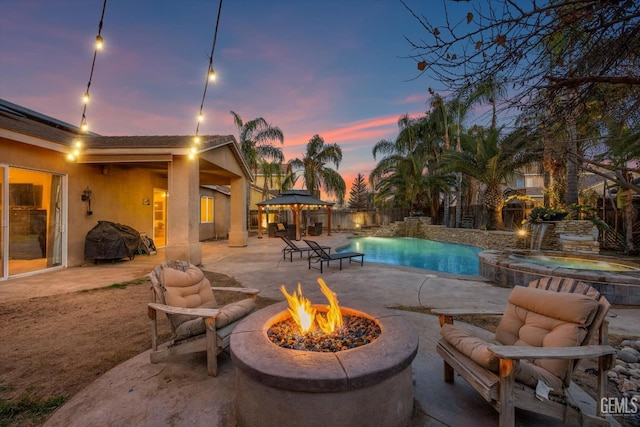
355 332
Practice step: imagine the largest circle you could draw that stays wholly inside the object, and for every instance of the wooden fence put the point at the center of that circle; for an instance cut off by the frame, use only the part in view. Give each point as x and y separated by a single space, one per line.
472 217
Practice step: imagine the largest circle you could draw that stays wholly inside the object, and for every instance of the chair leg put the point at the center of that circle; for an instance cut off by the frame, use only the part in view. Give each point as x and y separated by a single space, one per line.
212 360
507 409
448 373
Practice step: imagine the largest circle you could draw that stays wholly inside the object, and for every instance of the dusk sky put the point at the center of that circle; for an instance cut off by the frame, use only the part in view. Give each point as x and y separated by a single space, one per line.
327 67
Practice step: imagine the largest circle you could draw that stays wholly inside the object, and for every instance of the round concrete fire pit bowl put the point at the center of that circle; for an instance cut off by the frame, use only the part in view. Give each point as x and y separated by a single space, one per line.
367 385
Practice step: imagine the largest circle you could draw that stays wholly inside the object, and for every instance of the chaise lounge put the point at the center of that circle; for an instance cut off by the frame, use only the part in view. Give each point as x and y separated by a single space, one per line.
292 248
321 256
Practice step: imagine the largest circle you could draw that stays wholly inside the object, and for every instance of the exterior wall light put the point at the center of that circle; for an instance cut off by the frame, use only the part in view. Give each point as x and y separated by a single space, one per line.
86 197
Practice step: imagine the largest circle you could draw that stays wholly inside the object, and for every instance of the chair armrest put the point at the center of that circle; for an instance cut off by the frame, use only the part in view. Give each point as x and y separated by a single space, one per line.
246 291
195 312
445 315
465 311
576 352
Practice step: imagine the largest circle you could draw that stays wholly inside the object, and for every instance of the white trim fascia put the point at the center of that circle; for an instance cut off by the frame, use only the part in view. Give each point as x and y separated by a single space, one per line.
32 140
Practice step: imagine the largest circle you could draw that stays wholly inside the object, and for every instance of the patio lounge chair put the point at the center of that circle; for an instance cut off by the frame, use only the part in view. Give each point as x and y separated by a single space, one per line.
185 295
545 330
292 248
322 256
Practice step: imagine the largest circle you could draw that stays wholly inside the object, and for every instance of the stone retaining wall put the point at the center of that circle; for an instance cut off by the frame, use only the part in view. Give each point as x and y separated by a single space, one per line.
574 236
421 227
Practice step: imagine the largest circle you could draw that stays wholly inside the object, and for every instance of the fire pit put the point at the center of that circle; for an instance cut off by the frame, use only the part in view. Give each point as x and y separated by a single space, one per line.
366 385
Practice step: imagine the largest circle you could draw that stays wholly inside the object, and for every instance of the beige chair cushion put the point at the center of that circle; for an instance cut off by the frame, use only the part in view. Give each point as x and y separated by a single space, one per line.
475 345
540 318
533 317
530 373
186 287
228 314
234 311
472 346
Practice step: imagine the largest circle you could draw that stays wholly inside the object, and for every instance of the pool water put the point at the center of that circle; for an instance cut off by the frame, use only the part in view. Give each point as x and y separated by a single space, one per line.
419 253
577 263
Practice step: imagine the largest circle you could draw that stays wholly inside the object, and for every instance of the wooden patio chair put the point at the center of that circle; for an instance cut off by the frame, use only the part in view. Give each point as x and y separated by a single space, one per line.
545 330
185 295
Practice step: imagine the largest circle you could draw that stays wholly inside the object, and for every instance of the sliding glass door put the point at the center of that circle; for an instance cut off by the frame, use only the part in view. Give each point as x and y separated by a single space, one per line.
33 214
4 222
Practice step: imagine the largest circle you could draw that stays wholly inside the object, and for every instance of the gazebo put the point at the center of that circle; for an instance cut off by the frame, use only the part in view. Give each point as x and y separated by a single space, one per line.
295 200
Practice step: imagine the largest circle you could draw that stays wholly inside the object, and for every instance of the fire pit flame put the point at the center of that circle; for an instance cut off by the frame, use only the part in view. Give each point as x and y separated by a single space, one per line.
333 320
306 316
300 308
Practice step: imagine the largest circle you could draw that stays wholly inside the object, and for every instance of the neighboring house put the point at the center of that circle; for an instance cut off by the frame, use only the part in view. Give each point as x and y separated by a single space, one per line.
530 181
48 203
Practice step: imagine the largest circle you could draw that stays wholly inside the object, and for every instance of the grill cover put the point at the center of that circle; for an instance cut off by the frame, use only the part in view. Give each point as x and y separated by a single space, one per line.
109 240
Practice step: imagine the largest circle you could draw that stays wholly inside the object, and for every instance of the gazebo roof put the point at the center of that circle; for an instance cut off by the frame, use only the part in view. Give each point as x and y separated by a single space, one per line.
295 197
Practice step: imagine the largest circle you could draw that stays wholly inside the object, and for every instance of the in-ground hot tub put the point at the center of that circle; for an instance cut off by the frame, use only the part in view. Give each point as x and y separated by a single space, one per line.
617 280
367 385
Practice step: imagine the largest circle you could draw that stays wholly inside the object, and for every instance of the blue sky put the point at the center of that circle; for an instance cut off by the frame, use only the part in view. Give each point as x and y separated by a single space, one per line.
327 67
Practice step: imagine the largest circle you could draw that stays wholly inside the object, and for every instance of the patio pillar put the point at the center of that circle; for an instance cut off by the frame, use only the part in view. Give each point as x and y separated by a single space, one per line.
238 234
260 221
296 219
183 213
328 220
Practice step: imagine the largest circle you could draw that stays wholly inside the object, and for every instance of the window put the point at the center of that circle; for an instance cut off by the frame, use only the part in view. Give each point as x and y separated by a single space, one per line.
206 209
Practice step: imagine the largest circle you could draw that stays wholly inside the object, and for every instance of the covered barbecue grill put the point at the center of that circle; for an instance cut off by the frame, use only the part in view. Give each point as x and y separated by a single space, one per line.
109 240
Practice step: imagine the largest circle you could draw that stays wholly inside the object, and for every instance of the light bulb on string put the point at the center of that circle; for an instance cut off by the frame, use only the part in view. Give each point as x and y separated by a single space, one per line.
77 143
99 42
84 126
211 76
85 98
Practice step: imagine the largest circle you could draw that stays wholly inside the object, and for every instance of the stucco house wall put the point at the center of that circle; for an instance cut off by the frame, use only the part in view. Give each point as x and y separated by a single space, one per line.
122 173
117 192
219 229
118 195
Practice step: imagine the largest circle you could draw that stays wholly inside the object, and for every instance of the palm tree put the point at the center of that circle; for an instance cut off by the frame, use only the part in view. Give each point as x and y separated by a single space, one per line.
493 162
407 175
399 172
256 139
316 175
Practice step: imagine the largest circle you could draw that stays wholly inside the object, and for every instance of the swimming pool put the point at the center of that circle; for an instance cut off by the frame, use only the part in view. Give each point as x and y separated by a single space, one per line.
419 253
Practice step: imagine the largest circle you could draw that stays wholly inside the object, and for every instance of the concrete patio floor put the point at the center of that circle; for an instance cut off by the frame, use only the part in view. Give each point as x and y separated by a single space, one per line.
180 393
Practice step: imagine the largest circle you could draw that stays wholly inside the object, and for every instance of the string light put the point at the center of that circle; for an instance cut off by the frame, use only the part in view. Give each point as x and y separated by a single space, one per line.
211 76
99 41
84 127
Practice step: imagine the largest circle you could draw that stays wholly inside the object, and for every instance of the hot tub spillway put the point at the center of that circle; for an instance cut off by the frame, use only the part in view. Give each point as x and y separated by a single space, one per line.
367 385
